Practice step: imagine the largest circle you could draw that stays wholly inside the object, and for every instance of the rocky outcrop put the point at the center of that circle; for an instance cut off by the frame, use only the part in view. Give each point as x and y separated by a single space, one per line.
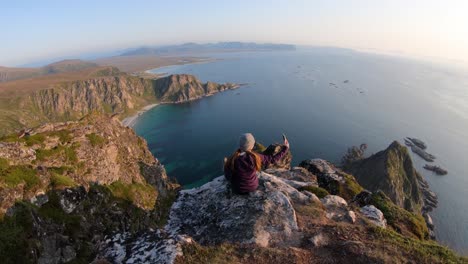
212 224
332 179
213 215
96 149
106 94
268 216
374 215
179 88
77 182
282 222
391 171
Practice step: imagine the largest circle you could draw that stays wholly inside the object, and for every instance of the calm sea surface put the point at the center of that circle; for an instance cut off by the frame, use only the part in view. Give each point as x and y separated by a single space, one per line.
324 100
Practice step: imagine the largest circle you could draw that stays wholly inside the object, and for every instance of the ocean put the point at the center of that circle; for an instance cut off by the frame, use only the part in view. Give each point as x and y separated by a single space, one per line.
325 100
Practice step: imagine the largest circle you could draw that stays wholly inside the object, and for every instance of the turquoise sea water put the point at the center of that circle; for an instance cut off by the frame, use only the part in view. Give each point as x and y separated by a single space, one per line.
324 100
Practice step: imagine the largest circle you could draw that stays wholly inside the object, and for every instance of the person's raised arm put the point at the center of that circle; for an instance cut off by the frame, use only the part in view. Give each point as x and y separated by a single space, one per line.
274 158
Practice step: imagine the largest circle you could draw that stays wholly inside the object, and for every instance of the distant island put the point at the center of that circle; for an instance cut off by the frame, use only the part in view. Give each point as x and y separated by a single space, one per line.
209 47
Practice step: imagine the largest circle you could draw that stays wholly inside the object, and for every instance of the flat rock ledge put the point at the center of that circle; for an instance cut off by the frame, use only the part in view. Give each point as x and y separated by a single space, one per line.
212 214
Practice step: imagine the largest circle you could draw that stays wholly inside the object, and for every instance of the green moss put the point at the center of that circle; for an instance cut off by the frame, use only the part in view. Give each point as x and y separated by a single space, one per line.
4 164
312 211
400 219
44 154
70 155
61 181
107 108
29 140
425 251
353 187
14 175
66 152
137 193
320 192
9 138
350 187
96 140
60 170
37 139
63 135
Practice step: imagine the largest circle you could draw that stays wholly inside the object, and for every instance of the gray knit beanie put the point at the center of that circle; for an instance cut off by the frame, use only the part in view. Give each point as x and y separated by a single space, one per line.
246 142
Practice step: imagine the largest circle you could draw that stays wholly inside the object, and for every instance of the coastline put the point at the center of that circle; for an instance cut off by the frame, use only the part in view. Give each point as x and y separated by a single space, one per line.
131 120
163 74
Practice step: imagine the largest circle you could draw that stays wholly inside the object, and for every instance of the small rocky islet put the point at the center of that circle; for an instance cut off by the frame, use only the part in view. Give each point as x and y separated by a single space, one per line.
418 147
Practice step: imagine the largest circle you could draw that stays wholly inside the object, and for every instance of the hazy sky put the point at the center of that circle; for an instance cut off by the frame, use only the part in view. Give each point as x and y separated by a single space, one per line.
34 30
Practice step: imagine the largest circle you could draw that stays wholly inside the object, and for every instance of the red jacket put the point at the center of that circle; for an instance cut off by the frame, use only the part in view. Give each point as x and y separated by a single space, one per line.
244 175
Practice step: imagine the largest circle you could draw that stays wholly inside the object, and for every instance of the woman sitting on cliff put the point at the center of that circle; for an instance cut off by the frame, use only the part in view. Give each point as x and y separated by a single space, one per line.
241 168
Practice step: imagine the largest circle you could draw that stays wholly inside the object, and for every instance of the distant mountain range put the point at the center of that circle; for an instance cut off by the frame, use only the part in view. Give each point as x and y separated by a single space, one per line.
220 46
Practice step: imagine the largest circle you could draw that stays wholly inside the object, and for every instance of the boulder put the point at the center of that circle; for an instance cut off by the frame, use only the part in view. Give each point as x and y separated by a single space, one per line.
296 174
153 246
213 214
71 198
40 199
330 201
374 215
351 216
319 240
327 176
363 198
429 222
336 208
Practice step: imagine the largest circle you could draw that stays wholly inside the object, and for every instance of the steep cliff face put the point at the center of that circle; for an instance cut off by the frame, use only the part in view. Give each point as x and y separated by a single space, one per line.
391 171
182 88
96 149
106 94
64 186
119 93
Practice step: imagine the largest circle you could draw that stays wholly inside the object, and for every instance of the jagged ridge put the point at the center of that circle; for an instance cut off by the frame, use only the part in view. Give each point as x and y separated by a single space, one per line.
391 171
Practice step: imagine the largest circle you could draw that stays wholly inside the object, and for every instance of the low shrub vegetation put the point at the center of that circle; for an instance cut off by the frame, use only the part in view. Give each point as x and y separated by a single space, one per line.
17 174
320 192
68 153
96 140
401 220
61 181
137 193
425 251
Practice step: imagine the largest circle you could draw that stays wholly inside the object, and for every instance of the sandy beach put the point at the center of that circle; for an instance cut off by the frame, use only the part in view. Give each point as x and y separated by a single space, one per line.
131 120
